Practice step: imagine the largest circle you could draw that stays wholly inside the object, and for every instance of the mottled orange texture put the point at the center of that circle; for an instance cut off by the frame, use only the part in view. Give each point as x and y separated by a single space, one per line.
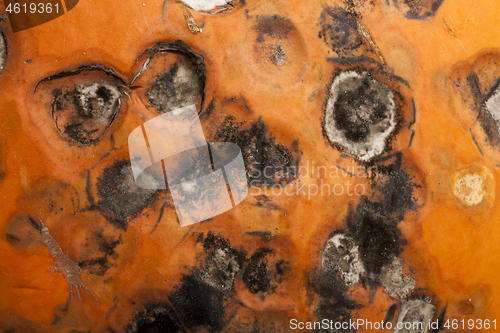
84 249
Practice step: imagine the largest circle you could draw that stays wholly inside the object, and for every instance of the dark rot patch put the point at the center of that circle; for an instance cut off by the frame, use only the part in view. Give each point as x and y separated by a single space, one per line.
264 271
394 194
360 114
378 239
266 161
200 306
273 27
339 30
119 194
256 277
173 76
155 318
419 9
374 224
334 302
83 102
221 263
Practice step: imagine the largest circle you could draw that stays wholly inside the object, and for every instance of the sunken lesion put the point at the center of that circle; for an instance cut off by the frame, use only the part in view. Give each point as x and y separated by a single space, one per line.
83 102
360 114
172 76
180 86
366 108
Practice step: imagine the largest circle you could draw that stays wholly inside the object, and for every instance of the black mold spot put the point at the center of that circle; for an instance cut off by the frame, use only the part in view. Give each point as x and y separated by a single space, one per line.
262 273
419 9
339 31
155 318
390 313
119 193
199 305
334 302
179 87
360 114
374 223
378 239
222 263
256 276
358 110
266 161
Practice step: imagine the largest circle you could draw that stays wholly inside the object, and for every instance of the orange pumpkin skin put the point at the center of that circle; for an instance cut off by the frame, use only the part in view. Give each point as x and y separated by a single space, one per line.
84 249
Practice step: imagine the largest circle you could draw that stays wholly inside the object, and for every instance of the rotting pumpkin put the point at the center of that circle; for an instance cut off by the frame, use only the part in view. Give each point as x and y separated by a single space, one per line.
406 90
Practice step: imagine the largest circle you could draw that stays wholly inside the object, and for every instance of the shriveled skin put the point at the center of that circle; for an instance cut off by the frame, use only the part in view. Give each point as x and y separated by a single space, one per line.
418 237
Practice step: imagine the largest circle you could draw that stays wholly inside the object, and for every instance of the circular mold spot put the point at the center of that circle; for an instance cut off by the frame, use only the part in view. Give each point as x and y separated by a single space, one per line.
360 114
471 187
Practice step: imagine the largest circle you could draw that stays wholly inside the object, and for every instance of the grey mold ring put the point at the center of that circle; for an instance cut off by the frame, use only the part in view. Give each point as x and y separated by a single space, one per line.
360 114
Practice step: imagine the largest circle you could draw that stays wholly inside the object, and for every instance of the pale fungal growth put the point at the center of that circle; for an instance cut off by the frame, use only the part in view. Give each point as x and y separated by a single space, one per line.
341 256
360 114
471 187
3 52
97 100
415 316
493 106
396 282
205 5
